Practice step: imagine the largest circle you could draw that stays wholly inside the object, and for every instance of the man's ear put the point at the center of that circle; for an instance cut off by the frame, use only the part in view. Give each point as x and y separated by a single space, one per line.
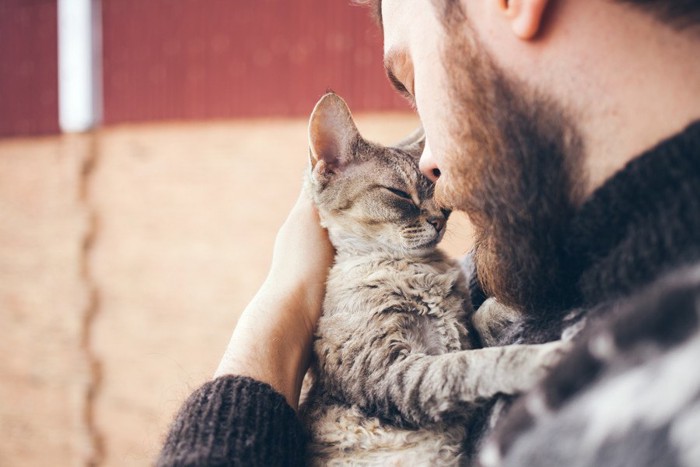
332 133
525 16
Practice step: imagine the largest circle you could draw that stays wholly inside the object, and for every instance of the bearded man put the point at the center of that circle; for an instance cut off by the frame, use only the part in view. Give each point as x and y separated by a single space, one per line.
568 131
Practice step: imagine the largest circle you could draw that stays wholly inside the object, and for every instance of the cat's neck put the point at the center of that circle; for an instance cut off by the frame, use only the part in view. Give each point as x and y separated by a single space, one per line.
348 247
349 251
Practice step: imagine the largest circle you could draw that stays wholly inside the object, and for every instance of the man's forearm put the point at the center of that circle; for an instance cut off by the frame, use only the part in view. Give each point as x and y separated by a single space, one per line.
265 345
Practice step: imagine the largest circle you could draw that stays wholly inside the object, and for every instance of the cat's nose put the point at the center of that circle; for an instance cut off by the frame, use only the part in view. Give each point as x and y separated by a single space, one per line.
428 165
437 222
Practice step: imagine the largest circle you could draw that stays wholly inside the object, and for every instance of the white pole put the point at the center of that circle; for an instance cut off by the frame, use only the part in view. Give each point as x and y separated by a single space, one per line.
79 64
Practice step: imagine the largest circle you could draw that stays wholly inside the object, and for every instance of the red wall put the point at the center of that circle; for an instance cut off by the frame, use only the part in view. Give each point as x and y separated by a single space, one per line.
28 67
167 59
197 59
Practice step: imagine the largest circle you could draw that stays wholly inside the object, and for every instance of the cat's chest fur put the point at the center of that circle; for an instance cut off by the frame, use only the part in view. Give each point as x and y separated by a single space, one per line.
386 301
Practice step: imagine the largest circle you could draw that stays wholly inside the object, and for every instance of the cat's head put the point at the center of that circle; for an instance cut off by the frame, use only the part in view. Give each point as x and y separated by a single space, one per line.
369 196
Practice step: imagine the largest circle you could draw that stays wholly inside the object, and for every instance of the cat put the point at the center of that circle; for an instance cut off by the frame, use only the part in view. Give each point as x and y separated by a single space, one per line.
395 372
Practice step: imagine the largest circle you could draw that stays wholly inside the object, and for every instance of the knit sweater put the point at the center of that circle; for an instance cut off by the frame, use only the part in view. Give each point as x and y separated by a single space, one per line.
641 224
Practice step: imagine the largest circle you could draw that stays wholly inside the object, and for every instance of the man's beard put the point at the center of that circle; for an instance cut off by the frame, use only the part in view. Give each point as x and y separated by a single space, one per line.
511 167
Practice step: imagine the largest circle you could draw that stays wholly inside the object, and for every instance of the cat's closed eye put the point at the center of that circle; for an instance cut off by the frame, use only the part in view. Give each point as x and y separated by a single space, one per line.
399 193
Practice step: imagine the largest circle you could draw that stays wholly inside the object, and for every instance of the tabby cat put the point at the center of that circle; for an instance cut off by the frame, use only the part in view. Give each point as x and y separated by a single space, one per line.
395 372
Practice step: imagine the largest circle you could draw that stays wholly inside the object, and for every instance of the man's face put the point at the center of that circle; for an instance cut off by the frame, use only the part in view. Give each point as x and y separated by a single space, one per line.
498 150
413 38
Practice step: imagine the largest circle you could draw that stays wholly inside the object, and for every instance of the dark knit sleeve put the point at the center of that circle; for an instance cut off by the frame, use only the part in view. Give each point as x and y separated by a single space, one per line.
234 420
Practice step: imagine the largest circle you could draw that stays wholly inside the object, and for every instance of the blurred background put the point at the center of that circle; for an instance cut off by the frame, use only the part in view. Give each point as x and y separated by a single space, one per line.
149 150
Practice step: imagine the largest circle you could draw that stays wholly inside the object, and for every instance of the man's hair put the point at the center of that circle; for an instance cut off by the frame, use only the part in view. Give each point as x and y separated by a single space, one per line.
677 13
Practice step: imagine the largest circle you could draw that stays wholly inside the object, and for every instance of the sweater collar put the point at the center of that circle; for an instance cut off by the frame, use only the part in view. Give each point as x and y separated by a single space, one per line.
642 222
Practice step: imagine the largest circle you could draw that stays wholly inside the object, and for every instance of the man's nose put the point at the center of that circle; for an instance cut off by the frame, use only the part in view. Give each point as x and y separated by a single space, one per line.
428 165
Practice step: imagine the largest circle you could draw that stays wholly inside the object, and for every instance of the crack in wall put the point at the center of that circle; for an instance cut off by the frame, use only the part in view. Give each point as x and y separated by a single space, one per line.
95 441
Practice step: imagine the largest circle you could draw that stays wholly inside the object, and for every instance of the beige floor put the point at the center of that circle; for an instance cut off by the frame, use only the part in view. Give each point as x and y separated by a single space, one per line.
125 258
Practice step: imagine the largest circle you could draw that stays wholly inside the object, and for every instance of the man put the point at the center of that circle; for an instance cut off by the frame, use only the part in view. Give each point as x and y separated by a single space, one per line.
568 131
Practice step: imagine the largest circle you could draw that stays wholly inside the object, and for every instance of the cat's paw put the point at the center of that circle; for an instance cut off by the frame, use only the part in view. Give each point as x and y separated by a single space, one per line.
551 353
541 358
524 366
492 320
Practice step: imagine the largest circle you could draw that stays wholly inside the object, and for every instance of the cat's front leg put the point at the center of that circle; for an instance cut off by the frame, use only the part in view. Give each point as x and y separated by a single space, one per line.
418 389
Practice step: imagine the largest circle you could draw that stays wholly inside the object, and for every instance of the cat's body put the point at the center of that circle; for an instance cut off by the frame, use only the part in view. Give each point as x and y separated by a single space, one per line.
394 372
381 309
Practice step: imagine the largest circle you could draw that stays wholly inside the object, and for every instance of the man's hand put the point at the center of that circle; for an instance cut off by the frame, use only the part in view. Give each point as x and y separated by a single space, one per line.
272 340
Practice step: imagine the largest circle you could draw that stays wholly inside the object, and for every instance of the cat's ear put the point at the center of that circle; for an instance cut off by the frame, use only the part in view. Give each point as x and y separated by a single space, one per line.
413 143
332 134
